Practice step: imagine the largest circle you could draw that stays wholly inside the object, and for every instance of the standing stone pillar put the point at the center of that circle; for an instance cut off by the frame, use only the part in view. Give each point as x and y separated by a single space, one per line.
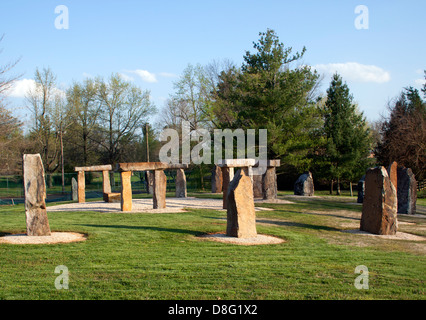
106 185
361 190
74 189
227 176
149 178
379 208
407 191
126 190
160 184
180 184
241 215
393 174
216 179
81 183
35 195
258 186
269 184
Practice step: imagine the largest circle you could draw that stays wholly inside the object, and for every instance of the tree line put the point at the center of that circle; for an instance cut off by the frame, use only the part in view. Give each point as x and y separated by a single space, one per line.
102 120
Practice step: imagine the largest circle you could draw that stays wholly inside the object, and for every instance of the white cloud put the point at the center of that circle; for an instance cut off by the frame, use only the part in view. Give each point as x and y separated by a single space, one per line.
420 82
21 87
126 77
144 75
353 71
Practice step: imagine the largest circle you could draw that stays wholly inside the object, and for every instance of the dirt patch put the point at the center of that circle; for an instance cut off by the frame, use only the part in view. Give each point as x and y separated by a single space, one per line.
258 240
55 237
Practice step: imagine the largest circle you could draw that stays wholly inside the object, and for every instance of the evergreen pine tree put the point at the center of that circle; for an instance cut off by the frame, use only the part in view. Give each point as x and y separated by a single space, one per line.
348 139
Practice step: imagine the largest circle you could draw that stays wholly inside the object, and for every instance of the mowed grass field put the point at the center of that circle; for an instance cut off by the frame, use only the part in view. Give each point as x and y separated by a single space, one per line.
161 256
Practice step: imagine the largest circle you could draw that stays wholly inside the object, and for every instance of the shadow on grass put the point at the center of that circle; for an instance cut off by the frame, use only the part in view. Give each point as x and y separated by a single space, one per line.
287 224
192 232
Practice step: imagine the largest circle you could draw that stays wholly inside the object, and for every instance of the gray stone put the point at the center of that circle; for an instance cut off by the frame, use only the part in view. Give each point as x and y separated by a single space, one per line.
269 184
241 216
149 180
379 208
35 195
407 191
258 186
180 184
304 185
361 189
74 188
216 181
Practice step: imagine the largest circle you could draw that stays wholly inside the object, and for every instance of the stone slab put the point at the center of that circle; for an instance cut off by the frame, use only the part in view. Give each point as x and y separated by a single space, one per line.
35 195
379 208
236 163
106 167
241 215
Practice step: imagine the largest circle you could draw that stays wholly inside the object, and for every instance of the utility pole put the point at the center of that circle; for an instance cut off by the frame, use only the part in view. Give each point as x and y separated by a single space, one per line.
147 143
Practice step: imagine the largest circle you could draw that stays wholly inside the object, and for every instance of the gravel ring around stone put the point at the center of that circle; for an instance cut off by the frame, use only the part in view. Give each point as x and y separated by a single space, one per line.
258 240
398 236
55 237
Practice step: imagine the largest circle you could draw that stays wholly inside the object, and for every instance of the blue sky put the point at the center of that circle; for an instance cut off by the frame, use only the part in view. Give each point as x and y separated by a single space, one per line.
151 42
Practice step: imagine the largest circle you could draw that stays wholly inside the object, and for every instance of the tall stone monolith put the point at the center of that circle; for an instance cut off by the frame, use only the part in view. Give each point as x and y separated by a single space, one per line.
180 184
35 196
216 180
407 191
241 216
160 185
379 208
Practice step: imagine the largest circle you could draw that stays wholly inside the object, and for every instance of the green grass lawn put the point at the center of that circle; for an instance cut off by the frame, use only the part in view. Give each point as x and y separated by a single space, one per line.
160 256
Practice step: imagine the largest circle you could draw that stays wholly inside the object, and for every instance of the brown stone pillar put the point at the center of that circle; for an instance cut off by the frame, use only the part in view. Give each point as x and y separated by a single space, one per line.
227 176
81 183
379 208
160 184
269 184
216 179
126 191
106 185
241 215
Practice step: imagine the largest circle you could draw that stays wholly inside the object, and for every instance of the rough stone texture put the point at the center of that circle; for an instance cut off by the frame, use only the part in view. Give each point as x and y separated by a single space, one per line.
160 184
149 179
407 191
234 163
106 184
258 186
241 215
269 184
35 195
126 191
216 179
304 185
180 184
112 197
106 167
392 173
227 176
81 182
379 209
74 189
361 189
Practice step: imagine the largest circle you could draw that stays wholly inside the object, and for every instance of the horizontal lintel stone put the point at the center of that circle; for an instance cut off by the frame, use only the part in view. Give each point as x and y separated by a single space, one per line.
106 167
148 166
235 163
